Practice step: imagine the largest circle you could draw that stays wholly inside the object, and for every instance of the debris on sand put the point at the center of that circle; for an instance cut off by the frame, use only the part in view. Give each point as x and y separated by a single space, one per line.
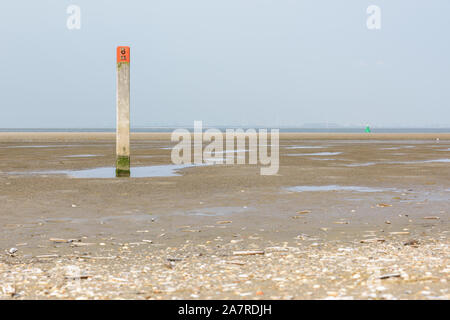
248 252
47 256
341 222
383 205
390 275
304 211
239 263
82 244
57 240
97 258
80 277
431 218
372 240
413 243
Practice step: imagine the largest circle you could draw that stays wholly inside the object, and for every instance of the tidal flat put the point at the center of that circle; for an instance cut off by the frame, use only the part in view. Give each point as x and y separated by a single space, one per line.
336 229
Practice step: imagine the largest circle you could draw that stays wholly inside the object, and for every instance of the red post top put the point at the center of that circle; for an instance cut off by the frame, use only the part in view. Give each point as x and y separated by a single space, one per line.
123 54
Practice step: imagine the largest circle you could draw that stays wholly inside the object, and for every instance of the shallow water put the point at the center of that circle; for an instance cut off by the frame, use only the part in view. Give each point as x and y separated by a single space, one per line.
360 164
437 160
445 160
336 188
305 147
81 156
215 211
314 154
397 162
169 170
397 148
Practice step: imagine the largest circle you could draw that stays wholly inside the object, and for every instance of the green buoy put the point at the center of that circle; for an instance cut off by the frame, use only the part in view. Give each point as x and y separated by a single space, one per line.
368 129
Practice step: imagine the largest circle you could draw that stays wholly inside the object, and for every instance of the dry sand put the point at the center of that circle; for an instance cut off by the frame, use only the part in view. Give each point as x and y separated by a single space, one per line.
180 236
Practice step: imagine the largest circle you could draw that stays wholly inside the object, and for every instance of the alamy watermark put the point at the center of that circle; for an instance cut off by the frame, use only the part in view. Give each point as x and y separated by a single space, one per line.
74 19
228 148
374 19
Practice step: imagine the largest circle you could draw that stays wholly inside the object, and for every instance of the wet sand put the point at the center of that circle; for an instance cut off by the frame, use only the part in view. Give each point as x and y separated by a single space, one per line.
354 216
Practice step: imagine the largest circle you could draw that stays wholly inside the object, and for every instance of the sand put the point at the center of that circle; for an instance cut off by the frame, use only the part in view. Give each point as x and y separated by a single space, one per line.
176 237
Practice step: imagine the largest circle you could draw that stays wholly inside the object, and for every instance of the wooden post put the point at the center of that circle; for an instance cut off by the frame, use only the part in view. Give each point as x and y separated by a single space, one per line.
123 112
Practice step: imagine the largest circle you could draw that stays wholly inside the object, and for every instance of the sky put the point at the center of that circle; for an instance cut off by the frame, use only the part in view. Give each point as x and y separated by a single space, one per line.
226 62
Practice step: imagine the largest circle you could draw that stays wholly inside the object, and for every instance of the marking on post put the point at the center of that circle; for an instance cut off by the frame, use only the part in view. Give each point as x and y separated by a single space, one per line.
123 54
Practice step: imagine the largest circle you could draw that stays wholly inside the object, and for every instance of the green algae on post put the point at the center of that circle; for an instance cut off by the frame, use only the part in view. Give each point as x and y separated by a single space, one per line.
123 166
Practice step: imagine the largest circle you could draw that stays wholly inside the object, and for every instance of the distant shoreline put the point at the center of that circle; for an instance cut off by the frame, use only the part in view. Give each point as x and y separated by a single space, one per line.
161 129
93 136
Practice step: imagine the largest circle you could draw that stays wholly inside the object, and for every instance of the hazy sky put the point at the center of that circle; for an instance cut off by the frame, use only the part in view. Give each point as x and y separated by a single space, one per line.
238 62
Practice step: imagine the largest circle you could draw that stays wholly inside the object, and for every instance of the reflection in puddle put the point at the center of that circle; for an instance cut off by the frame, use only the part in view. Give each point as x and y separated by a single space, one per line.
315 154
169 170
336 188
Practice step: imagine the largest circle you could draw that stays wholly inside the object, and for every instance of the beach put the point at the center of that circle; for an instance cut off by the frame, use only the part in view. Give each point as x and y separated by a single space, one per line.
348 216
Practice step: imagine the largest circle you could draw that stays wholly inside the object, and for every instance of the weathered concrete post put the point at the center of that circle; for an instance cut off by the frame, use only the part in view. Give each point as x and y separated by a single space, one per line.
123 112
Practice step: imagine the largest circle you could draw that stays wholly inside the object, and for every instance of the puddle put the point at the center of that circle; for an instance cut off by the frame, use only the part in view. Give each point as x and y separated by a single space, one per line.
169 170
219 160
446 160
397 148
305 147
57 146
102 220
391 148
397 162
314 154
436 160
81 156
14 147
43 146
360 164
230 151
336 188
215 211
